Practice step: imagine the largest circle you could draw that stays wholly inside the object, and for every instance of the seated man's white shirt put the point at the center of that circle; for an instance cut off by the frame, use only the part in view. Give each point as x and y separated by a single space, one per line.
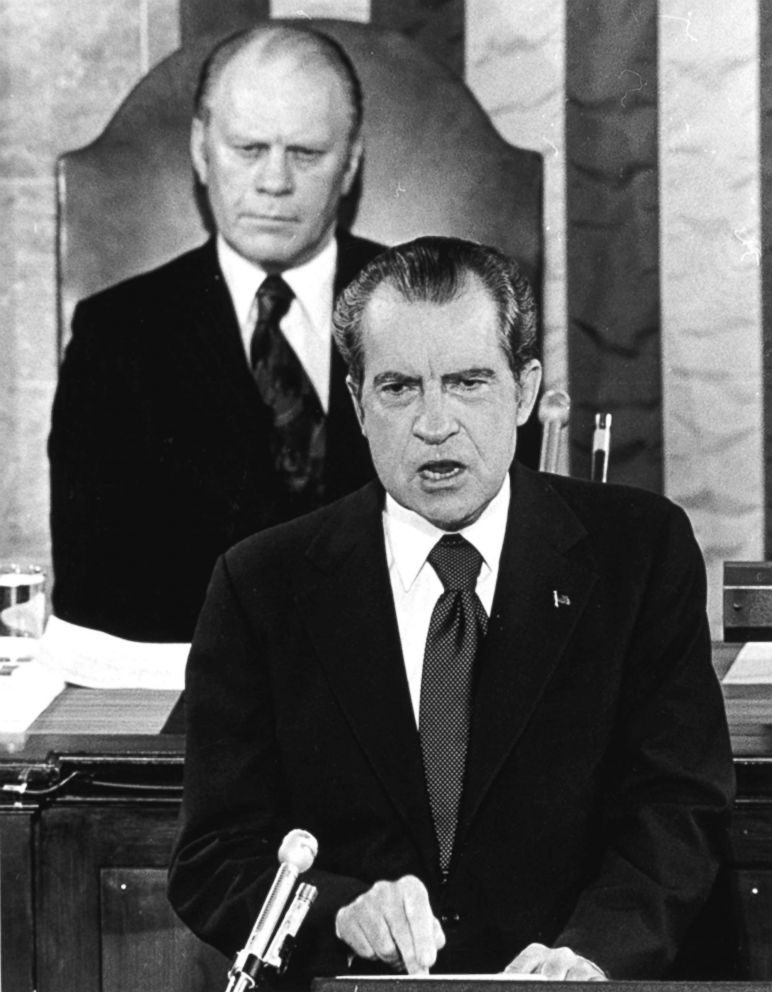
415 585
308 322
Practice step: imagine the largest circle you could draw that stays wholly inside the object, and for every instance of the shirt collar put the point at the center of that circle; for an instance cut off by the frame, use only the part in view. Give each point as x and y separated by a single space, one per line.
410 538
312 283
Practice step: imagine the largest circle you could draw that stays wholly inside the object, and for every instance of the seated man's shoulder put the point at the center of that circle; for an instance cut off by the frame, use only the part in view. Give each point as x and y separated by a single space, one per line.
325 534
353 244
157 290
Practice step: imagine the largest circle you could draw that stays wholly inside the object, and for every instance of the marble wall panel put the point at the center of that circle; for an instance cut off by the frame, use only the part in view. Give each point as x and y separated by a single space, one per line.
69 64
27 301
515 67
66 65
710 277
162 29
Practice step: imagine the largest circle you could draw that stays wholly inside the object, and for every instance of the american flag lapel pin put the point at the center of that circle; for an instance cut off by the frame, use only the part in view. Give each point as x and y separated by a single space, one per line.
560 599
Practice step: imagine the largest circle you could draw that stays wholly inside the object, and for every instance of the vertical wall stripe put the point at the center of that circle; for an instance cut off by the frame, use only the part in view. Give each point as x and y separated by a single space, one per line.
200 17
346 10
612 241
515 67
711 307
436 25
144 38
765 68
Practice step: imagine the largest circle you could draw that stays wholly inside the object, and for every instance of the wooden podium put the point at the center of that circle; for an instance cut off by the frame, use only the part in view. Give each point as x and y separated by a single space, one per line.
88 811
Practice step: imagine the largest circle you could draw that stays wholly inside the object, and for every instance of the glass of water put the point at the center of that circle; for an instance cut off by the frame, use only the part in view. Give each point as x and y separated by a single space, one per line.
22 613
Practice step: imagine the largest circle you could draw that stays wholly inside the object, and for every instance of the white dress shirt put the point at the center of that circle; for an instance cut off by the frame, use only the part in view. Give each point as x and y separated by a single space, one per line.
308 322
415 585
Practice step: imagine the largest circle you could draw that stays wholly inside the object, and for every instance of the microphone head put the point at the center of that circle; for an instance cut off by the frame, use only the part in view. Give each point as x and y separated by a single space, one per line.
554 407
298 849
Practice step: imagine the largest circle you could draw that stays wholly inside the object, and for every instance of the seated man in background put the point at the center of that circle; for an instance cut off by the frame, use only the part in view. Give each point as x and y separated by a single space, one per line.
487 692
203 401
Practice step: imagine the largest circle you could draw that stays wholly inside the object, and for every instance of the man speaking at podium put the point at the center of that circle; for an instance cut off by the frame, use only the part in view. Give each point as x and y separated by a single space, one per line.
486 691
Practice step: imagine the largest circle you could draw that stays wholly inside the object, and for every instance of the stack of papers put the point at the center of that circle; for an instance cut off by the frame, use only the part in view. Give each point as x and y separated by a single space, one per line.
752 666
25 693
77 655
92 658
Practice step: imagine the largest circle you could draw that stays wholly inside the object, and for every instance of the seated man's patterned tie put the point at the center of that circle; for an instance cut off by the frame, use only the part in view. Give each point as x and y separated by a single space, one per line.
299 434
457 627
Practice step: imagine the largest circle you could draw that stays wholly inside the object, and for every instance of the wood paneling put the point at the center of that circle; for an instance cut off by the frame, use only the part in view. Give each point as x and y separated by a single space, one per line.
17 952
144 945
101 887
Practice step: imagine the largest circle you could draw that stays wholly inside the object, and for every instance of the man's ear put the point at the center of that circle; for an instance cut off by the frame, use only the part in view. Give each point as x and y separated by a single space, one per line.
353 390
529 381
198 149
354 158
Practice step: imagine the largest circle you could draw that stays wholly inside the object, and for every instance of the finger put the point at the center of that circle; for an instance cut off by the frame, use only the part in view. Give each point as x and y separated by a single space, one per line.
529 960
374 915
556 963
420 950
361 925
439 934
348 929
585 971
400 909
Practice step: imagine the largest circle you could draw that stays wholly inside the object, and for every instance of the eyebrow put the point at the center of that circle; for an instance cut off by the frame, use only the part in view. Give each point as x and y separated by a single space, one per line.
384 377
475 372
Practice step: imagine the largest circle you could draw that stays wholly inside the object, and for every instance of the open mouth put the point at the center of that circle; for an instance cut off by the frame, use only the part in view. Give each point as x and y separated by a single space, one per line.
440 471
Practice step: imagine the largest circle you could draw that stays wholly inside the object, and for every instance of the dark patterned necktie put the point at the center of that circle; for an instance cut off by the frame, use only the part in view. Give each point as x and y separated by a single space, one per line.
298 436
457 627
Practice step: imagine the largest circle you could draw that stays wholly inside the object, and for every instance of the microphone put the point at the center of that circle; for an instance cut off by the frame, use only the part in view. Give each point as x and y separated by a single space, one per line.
281 946
296 855
601 446
554 408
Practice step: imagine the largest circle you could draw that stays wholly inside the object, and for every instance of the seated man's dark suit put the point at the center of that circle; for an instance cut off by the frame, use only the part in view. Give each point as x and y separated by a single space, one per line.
159 447
599 776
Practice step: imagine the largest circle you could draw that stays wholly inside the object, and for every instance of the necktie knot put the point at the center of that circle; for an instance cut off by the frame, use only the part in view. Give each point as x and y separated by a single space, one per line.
273 300
456 562
274 297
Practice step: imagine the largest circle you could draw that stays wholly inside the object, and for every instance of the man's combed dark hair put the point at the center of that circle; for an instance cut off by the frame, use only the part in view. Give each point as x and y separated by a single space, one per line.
281 37
437 270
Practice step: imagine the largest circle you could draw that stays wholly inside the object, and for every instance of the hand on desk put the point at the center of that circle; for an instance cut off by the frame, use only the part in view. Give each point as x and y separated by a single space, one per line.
555 963
393 922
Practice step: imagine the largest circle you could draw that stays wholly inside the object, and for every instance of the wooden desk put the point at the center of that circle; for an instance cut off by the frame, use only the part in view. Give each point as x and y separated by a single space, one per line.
88 812
87 825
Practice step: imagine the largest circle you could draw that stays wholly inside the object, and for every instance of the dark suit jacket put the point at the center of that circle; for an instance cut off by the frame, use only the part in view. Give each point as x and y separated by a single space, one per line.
159 448
599 774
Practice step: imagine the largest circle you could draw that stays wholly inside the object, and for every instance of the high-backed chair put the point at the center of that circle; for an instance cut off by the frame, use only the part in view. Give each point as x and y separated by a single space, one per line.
433 165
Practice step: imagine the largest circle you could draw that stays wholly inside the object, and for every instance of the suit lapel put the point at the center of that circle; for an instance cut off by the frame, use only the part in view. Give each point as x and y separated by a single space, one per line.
540 595
215 338
347 607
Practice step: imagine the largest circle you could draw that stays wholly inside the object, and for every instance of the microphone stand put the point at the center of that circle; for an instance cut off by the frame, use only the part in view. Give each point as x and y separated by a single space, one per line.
273 935
554 408
601 447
